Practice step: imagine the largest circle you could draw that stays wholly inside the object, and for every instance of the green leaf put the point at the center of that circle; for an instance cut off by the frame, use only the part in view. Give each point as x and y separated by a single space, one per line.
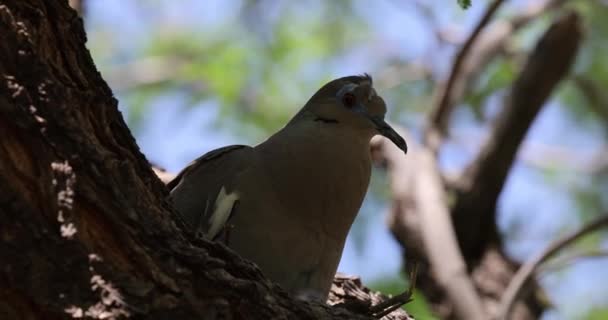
465 4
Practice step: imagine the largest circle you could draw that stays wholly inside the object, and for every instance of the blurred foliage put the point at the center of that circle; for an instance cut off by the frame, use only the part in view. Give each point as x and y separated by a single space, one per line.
497 77
596 314
590 103
257 67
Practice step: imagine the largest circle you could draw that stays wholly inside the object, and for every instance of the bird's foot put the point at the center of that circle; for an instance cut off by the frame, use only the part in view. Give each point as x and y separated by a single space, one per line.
226 233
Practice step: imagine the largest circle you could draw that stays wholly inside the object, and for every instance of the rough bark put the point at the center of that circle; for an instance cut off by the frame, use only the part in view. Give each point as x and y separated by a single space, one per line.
84 228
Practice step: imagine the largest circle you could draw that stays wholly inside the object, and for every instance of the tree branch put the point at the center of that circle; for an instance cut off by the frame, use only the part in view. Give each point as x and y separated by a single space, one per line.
482 181
562 262
488 44
440 114
520 279
437 235
408 221
542 156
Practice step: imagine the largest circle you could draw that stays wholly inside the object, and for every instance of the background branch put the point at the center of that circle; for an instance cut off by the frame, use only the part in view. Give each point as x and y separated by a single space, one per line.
439 242
482 181
568 259
412 219
441 112
527 270
477 52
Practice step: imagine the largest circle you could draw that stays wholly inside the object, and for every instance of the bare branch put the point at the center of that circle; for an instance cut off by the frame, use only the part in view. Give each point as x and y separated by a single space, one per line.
420 213
514 290
482 181
438 237
440 114
542 156
490 43
566 260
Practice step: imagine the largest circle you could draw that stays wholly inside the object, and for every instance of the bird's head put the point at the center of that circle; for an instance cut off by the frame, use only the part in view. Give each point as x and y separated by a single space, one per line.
351 101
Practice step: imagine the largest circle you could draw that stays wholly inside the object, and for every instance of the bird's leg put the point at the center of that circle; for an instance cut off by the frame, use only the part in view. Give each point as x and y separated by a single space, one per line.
387 306
226 233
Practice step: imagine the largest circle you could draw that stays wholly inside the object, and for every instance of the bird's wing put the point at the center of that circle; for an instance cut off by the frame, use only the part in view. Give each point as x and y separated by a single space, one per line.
205 192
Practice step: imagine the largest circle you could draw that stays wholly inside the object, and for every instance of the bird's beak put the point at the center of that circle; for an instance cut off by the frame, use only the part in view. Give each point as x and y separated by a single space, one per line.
386 130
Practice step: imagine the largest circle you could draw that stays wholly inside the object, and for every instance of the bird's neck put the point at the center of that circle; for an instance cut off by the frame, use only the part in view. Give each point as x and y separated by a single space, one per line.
318 162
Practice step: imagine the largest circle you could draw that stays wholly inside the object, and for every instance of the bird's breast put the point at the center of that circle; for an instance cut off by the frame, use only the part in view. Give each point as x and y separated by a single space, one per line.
322 178
303 196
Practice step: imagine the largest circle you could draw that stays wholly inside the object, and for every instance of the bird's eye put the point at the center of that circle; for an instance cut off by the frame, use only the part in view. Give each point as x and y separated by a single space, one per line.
349 100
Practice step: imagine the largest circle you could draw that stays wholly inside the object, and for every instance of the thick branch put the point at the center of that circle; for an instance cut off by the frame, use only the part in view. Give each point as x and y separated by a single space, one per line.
437 233
483 180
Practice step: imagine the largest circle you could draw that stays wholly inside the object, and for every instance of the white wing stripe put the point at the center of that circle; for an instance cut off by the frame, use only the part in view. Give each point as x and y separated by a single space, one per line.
223 206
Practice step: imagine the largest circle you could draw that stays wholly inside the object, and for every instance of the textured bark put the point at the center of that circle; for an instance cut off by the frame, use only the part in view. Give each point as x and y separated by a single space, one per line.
84 227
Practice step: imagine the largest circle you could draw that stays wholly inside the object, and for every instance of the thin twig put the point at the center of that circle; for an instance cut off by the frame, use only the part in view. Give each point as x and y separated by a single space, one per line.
440 114
541 156
563 262
393 303
525 272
